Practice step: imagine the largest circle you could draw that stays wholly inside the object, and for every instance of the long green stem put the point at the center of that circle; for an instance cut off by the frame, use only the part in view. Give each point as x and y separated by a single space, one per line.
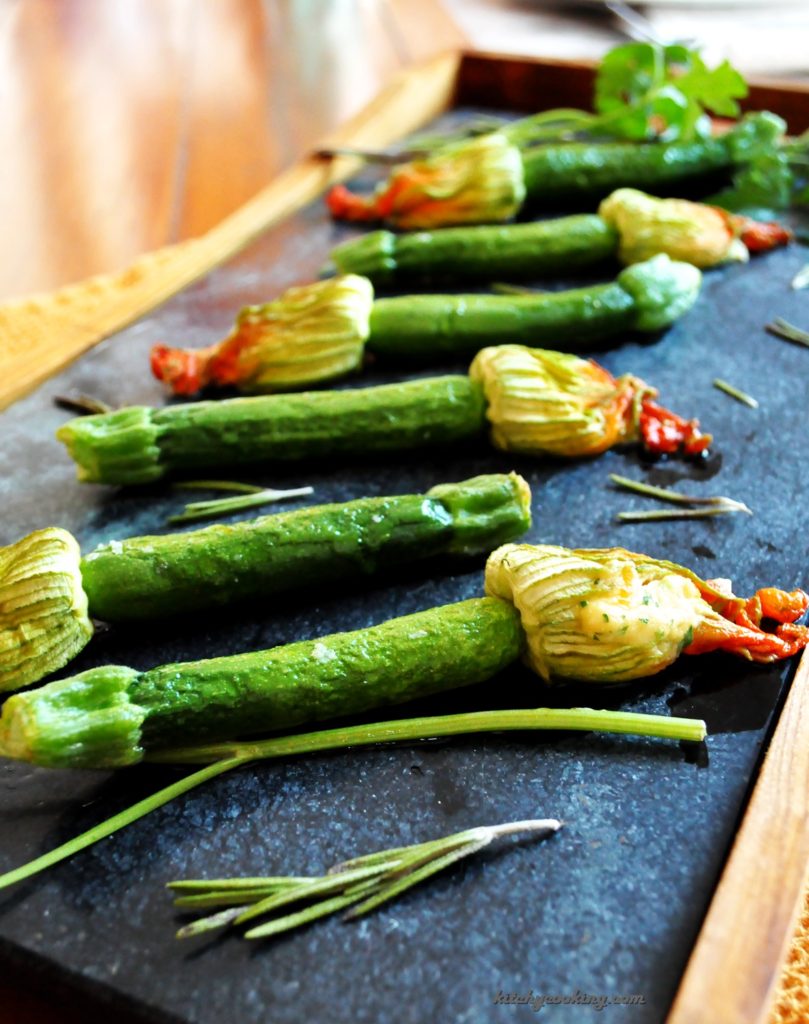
222 757
579 719
119 821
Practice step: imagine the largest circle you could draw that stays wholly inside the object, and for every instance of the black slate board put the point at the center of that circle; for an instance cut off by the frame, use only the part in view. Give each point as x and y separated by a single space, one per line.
611 906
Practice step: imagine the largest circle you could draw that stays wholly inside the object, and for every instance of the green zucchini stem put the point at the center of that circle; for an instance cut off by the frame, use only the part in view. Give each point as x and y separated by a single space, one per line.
220 758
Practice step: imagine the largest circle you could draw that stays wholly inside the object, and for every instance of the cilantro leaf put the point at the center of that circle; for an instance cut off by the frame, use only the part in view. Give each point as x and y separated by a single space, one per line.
764 184
625 76
644 91
717 90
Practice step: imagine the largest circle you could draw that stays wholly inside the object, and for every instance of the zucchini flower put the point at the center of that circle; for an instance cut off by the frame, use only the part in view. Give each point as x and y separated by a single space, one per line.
692 232
473 182
611 615
43 608
552 403
310 334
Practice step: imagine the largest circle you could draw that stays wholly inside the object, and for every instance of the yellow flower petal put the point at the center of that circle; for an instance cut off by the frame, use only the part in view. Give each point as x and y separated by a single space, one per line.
689 232
543 402
599 616
43 608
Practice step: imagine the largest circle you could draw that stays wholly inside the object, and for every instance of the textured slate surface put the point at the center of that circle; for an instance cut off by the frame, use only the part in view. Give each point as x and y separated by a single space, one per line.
610 906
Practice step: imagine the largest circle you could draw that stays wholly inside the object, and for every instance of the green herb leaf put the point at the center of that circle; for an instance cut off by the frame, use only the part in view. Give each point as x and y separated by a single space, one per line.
648 91
717 90
763 186
627 75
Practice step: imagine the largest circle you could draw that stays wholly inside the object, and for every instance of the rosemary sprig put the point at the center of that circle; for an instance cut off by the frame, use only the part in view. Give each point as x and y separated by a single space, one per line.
220 758
82 405
737 393
249 496
363 883
712 506
784 329
801 279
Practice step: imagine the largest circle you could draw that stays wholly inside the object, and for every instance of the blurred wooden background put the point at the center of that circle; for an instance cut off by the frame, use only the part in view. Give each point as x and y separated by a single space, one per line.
129 124
126 125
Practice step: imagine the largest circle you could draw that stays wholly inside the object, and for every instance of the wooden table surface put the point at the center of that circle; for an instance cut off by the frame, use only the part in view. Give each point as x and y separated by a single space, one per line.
126 125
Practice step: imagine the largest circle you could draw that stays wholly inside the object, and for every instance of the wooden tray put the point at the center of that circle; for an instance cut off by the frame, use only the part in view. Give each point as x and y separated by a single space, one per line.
69 923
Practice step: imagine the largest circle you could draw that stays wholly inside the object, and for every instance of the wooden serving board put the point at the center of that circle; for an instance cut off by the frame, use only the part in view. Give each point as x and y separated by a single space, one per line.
613 906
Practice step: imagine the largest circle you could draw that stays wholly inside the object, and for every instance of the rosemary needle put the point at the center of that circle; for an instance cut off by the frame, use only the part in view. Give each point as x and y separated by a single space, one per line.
361 884
716 505
737 393
217 485
248 497
801 279
84 405
682 513
784 329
